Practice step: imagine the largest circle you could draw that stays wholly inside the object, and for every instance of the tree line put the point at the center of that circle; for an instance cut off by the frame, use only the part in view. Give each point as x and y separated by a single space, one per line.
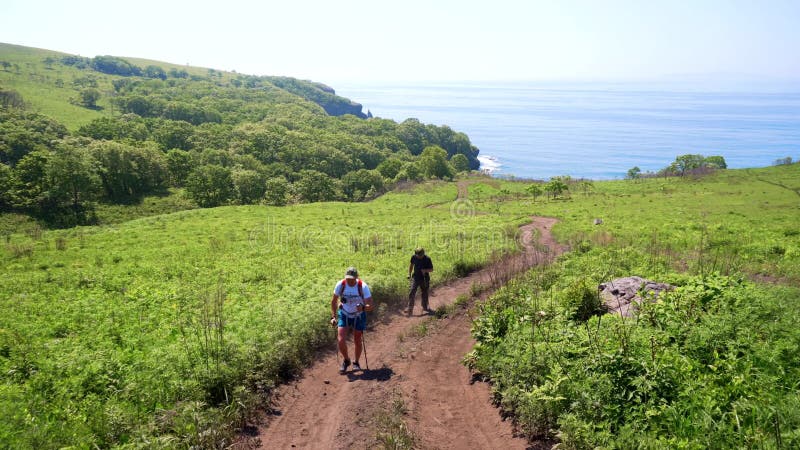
688 164
318 93
222 144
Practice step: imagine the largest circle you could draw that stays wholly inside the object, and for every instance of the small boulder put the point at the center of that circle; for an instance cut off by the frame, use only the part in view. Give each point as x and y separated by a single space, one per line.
619 295
598 221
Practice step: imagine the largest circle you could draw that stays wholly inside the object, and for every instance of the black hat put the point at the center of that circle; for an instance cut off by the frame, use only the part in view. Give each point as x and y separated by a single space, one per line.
351 273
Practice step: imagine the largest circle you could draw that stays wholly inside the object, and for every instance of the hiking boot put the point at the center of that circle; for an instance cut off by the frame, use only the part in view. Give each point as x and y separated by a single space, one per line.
356 366
345 365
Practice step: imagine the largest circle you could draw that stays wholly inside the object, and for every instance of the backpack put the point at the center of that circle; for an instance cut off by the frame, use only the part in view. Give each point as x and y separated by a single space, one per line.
344 284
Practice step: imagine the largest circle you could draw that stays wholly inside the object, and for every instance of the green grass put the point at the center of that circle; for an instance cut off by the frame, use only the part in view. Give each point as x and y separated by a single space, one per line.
711 365
393 433
50 90
164 330
37 85
744 221
173 201
131 332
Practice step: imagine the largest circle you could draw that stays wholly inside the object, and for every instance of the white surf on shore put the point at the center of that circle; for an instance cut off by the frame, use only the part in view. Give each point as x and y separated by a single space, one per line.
489 164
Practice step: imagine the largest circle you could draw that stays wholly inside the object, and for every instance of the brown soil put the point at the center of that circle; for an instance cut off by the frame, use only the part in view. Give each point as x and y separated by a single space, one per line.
415 377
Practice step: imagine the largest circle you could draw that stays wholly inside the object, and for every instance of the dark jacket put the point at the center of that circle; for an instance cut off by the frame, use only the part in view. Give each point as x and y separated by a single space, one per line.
420 263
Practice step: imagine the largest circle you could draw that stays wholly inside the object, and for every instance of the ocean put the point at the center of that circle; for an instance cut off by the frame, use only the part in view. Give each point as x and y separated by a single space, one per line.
538 130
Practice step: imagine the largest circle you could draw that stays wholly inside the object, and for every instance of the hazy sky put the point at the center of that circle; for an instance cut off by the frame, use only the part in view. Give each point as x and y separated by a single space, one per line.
424 40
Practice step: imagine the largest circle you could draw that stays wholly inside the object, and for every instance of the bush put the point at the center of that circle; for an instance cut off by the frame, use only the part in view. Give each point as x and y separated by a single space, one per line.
687 372
582 300
210 186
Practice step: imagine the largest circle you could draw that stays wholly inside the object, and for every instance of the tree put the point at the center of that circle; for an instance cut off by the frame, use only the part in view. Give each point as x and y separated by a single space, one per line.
212 135
276 191
175 73
687 163
634 173
413 134
11 99
265 142
355 185
250 186
72 180
369 156
89 97
174 134
140 105
190 113
22 133
210 186
585 186
179 164
411 171
434 164
534 190
389 168
460 163
783 161
716 162
5 186
152 71
59 186
222 158
129 126
29 181
115 66
315 186
555 187
129 172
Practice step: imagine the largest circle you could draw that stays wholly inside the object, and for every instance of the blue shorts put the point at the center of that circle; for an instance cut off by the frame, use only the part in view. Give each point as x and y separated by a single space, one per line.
358 322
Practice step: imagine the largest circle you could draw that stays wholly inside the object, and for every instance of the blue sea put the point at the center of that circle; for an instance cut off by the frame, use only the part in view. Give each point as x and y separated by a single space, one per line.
539 130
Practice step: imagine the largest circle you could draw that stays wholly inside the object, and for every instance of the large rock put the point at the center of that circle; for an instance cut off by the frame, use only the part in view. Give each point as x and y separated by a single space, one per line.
619 295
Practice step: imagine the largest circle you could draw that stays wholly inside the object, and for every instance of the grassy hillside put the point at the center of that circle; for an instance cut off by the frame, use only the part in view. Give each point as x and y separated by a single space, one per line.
731 221
162 329
77 133
711 365
40 87
165 328
48 86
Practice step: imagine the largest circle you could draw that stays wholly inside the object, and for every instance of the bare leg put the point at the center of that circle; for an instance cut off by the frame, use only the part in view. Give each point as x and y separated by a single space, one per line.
357 335
343 342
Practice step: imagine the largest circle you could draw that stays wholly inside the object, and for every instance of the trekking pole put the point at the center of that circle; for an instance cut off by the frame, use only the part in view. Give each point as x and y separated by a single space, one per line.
364 346
363 341
336 341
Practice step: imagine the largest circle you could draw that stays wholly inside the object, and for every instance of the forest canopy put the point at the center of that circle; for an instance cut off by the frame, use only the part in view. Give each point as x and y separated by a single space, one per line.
225 138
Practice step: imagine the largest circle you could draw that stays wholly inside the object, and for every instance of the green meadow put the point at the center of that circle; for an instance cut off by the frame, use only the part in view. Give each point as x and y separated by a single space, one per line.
710 365
39 84
162 330
51 89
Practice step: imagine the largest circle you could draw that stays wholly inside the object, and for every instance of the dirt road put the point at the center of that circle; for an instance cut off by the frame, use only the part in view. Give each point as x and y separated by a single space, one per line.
416 388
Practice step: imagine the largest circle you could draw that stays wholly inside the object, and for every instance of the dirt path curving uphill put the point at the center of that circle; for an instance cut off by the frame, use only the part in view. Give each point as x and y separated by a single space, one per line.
416 372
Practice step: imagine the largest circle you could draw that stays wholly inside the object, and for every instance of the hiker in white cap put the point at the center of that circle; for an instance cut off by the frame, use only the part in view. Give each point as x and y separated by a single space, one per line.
349 306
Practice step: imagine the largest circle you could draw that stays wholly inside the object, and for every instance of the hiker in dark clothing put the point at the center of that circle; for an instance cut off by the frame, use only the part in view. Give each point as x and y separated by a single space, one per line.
419 272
